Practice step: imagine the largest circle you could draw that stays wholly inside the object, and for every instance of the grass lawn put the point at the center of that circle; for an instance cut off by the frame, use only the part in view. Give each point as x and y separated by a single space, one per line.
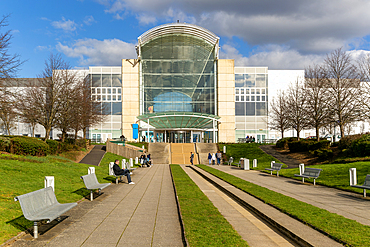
335 175
349 231
204 224
250 151
20 175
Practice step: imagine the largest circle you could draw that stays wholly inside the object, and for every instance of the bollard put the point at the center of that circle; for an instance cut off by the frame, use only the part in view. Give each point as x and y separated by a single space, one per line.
131 163
91 170
246 164
143 147
272 163
123 163
224 150
136 160
301 169
110 172
49 181
352 176
254 163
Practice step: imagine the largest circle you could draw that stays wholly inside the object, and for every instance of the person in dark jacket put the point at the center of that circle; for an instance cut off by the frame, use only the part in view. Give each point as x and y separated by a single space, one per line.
118 171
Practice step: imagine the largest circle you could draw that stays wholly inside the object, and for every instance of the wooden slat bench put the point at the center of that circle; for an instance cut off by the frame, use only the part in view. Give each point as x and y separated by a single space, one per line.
310 173
42 205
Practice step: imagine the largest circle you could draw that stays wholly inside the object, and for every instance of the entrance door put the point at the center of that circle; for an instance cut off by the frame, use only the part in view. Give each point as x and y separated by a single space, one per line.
197 137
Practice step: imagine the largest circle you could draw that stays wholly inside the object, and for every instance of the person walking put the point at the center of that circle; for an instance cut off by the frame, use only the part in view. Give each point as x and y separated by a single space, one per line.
209 158
213 158
219 155
191 158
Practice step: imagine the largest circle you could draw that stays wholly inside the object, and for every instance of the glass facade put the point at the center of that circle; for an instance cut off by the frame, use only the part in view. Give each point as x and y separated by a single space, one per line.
178 73
251 103
106 87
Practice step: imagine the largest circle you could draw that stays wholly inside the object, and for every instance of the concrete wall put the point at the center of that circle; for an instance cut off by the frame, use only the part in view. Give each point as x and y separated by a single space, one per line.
226 100
130 95
127 151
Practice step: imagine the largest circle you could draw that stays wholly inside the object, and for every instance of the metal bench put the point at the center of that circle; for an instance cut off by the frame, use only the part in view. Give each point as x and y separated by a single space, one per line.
231 160
309 173
42 205
91 183
275 167
365 186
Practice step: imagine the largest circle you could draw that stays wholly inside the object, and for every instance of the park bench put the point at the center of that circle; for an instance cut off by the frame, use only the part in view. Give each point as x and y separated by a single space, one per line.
365 186
42 205
91 183
231 160
309 173
275 167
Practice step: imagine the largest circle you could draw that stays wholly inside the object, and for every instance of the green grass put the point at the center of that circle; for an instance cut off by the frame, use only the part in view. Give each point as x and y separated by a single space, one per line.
20 175
335 175
250 151
139 144
204 224
349 231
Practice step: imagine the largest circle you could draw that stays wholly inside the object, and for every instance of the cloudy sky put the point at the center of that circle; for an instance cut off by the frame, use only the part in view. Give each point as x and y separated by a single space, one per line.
280 34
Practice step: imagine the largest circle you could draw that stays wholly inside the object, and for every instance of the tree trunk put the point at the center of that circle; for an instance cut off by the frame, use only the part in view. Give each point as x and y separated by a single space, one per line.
64 133
47 133
317 133
282 134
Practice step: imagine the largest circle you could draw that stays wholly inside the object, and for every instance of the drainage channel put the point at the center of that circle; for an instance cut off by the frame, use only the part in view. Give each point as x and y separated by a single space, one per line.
258 223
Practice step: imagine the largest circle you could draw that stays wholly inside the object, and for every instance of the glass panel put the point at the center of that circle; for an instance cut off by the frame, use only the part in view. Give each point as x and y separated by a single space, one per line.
263 98
103 90
252 98
241 98
257 91
236 98
93 90
250 109
242 91
98 90
113 90
260 80
96 80
252 91
117 108
263 91
246 98
106 81
108 91
108 97
239 109
257 98
250 80
113 97
116 81
247 91
261 109
118 90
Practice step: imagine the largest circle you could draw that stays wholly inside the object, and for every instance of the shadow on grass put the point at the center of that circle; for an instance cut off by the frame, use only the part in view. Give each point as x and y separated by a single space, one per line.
110 179
25 225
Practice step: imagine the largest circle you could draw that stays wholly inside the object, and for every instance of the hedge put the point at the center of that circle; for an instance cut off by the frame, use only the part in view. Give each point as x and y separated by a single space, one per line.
283 142
29 146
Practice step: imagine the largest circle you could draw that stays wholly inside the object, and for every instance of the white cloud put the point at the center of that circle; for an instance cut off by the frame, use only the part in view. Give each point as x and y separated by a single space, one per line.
88 20
273 56
314 26
96 52
65 25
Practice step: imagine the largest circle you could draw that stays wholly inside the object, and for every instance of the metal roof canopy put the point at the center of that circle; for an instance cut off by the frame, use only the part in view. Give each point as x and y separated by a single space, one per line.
178 120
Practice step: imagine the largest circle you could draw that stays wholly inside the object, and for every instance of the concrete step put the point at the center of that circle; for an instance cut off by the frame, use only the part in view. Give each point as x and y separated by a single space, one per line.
159 152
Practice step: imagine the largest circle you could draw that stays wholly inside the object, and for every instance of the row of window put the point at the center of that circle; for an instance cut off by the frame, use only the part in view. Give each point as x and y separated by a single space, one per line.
243 98
250 91
250 109
107 94
106 80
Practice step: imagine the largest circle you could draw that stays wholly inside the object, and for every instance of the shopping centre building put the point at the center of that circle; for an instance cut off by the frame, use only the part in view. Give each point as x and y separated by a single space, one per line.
177 89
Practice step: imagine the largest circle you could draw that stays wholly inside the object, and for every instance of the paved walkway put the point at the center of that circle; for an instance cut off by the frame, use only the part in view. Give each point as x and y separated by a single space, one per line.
350 205
94 156
144 214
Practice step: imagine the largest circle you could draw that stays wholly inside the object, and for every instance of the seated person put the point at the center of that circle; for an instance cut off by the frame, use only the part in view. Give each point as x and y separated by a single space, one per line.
118 171
142 160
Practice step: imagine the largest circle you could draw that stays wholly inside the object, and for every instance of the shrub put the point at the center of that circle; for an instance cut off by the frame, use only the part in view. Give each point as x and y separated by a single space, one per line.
299 146
361 146
54 146
323 154
346 141
283 142
323 144
29 146
82 143
4 144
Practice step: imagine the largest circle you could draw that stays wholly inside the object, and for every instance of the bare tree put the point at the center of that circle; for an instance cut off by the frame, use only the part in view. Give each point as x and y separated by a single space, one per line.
278 113
296 107
344 85
49 96
86 111
364 67
9 64
317 98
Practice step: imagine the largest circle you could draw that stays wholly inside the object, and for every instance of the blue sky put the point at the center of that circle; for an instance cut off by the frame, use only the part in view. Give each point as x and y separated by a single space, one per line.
280 34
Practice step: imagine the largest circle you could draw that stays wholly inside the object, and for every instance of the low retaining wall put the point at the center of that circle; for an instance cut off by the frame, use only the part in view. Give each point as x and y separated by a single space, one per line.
126 150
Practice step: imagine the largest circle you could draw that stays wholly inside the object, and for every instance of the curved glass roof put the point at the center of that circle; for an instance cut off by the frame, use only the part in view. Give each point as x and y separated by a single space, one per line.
180 28
174 120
